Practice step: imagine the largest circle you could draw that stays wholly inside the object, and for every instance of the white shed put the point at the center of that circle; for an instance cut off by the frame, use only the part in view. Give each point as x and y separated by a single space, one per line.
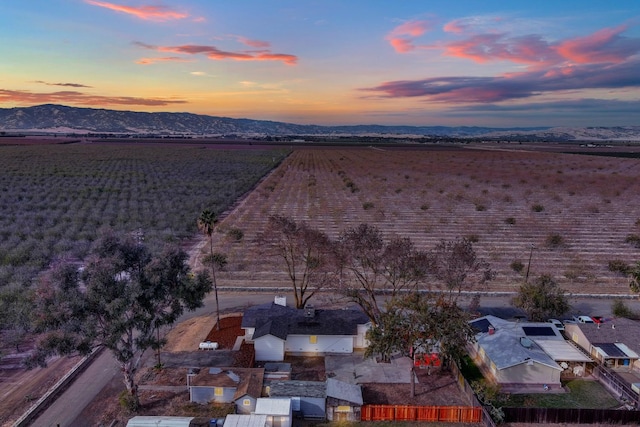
253 420
279 411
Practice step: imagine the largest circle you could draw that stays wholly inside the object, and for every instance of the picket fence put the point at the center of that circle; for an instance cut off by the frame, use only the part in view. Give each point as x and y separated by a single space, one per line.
452 414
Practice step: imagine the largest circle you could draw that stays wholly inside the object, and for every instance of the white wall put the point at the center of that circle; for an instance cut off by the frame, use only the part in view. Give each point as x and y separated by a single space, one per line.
323 344
269 348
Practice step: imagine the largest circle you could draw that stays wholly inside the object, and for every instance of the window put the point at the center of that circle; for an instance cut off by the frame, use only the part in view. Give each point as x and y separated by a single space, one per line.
217 391
246 402
313 339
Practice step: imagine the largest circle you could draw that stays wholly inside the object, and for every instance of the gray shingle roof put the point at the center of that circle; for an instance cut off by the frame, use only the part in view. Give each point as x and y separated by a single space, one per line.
343 391
298 389
279 321
619 330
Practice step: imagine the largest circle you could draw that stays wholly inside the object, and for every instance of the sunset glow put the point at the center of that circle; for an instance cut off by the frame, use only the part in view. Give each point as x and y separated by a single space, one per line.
571 63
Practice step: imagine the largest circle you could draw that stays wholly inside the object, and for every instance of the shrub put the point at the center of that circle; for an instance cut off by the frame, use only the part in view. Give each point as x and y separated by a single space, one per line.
367 205
555 240
620 309
619 266
235 233
127 401
517 266
425 206
537 207
510 220
634 239
480 207
473 238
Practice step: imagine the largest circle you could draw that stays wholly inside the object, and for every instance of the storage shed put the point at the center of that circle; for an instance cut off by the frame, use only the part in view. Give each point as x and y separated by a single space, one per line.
278 411
344 401
308 398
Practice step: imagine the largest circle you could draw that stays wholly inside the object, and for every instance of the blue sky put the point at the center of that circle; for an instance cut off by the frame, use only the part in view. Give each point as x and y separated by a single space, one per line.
489 63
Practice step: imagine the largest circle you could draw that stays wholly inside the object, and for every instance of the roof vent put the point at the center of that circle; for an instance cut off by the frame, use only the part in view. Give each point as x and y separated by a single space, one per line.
309 311
526 342
492 330
280 300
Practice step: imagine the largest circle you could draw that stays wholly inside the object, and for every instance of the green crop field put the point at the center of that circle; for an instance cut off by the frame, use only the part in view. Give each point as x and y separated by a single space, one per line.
54 199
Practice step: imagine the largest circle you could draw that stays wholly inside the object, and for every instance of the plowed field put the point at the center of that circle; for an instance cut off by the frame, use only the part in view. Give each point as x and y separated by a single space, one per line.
571 214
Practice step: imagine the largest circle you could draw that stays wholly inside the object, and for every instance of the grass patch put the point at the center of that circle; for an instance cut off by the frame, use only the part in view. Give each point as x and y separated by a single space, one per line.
582 394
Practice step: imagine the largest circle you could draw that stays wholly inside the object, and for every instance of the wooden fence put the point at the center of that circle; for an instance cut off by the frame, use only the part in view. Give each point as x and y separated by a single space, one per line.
452 414
570 415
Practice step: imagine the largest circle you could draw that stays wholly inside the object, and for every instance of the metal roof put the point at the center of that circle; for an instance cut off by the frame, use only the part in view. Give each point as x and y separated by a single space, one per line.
273 406
253 420
562 351
344 391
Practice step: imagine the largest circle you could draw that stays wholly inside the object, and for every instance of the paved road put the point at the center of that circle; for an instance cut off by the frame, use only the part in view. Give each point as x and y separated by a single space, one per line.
67 408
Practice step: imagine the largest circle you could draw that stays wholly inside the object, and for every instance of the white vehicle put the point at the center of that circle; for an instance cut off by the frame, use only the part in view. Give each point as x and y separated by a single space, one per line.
558 324
583 319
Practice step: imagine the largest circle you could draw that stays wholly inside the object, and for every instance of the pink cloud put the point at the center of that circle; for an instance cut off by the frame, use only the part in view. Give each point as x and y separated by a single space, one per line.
401 37
531 49
457 27
253 43
606 45
149 61
214 53
146 12
79 98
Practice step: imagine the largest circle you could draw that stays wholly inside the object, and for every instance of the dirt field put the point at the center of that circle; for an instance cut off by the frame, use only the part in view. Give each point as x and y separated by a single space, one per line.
570 214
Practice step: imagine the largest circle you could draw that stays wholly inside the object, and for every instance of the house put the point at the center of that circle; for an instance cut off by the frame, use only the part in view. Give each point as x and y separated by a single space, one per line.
276 329
242 386
344 401
615 343
530 356
308 398
279 411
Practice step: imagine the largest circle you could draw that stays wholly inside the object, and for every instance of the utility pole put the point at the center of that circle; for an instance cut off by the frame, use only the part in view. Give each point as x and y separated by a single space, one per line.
526 277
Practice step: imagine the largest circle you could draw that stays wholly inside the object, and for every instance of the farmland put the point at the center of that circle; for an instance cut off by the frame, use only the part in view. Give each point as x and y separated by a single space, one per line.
55 198
573 216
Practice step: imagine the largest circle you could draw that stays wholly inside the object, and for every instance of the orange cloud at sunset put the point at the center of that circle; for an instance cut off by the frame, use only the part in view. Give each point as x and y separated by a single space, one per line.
214 53
79 98
148 12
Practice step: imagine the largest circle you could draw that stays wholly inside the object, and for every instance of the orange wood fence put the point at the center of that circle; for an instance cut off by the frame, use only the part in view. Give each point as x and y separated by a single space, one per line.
454 414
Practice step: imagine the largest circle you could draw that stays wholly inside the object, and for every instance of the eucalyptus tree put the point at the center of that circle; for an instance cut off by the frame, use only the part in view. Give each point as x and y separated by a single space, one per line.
306 254
207 224
118 300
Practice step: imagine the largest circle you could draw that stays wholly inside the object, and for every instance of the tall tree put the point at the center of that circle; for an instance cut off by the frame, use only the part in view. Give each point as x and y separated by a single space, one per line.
306 253
117 301
420 322
369 267
16 307
541 299
457 267
207 224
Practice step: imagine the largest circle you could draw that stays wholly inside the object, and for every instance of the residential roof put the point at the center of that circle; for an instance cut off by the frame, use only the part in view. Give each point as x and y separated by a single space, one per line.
279 321
509 346
344 391
238 420
562 351
618 330
273 406
298 389
615 351
247 381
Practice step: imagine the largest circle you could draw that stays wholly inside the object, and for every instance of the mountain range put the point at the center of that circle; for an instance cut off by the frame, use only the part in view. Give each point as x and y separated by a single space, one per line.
62 119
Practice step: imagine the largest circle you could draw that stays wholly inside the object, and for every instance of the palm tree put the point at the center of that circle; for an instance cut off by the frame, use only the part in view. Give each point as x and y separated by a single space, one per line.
207 223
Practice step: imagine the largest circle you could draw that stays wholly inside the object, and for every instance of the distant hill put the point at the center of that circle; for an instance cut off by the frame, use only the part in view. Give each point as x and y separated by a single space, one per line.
63 119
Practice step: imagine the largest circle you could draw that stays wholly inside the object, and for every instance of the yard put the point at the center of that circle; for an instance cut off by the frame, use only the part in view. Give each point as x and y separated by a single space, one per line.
581 394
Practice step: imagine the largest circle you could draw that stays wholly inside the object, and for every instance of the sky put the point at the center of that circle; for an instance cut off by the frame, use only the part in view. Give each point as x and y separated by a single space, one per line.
327 62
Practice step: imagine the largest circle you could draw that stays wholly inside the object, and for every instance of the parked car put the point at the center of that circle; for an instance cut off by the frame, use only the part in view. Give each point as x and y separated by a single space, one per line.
558 324
583 319
598 319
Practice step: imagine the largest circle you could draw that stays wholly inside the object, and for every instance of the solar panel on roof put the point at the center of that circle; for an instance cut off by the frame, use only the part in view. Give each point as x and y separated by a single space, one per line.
481 325
612 350
538 331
